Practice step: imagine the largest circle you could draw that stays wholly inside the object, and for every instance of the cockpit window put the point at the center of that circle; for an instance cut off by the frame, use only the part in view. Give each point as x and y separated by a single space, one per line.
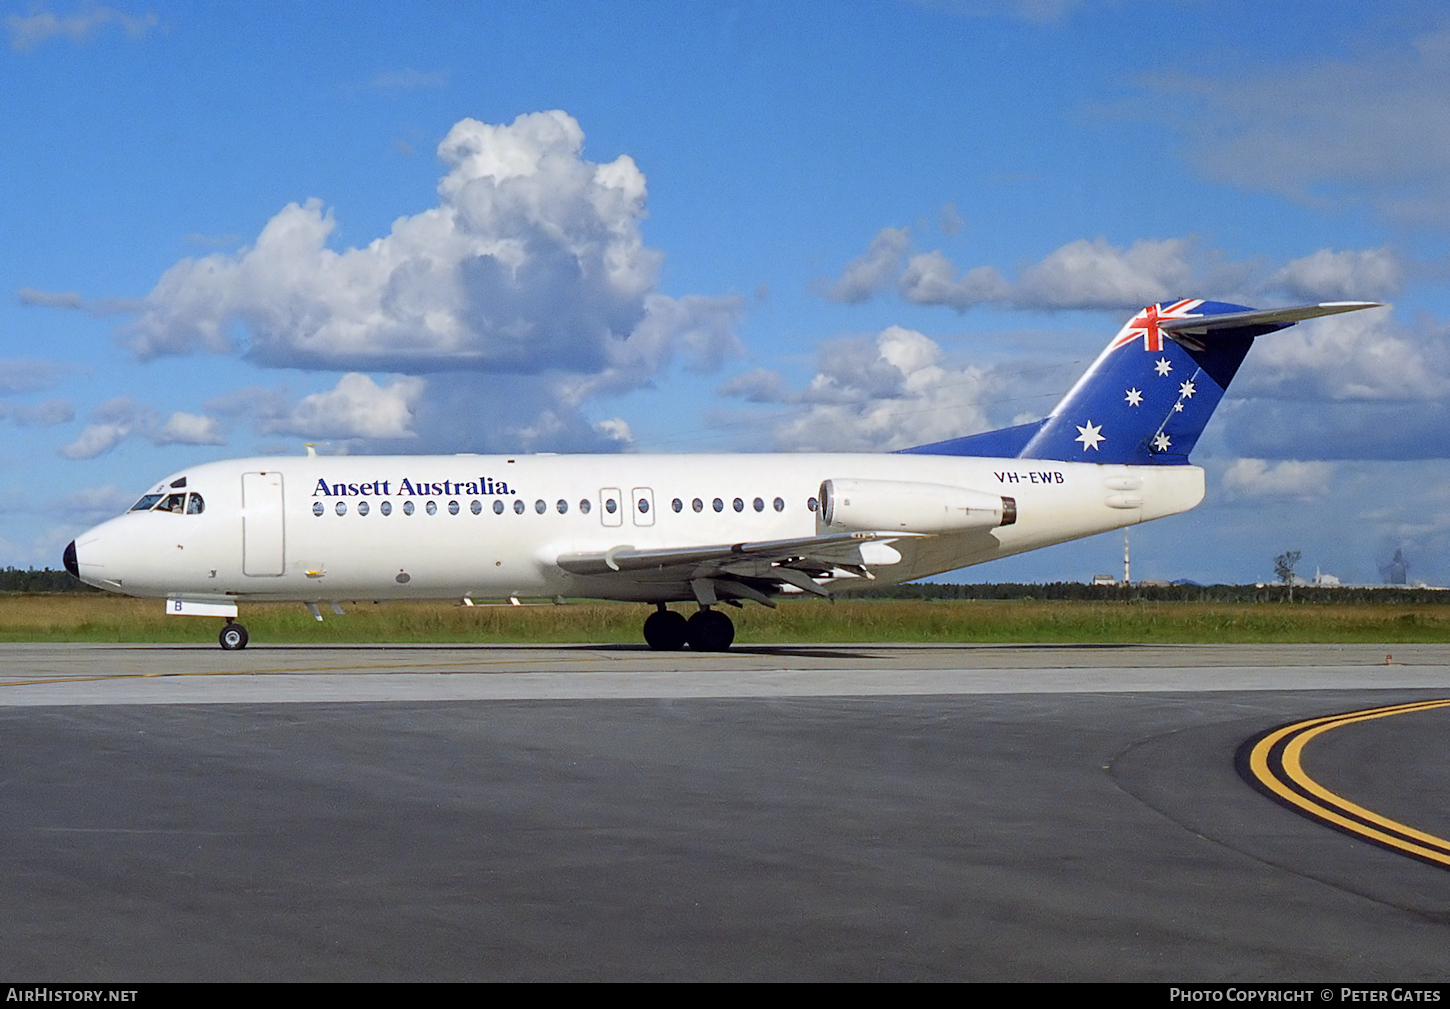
145 503
174 503
195 505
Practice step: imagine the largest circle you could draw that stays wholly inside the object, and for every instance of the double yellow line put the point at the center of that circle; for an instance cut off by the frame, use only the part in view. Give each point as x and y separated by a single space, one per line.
1273 763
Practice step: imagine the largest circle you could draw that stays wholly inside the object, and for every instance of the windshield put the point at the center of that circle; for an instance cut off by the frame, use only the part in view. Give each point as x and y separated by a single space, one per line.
146 502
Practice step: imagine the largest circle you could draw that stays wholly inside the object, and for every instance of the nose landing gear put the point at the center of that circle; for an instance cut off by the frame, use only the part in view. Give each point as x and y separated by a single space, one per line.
233 637
705 631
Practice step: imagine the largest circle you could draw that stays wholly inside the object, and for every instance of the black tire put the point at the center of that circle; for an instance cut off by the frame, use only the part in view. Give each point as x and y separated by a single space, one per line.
711 631
666 630
233 637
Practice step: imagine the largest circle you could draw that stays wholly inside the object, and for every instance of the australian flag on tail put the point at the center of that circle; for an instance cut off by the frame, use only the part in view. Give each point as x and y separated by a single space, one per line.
1150 393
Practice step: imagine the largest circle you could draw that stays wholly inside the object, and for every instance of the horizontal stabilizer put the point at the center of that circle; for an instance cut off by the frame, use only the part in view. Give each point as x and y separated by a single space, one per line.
1195 324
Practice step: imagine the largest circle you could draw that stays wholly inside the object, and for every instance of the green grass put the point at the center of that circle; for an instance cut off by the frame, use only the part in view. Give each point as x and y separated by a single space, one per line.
114 618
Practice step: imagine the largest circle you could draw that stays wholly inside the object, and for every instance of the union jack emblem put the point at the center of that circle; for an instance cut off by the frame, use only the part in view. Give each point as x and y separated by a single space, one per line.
1145 323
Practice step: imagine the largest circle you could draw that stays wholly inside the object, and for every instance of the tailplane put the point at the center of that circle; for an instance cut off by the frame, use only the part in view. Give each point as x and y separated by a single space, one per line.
1150 393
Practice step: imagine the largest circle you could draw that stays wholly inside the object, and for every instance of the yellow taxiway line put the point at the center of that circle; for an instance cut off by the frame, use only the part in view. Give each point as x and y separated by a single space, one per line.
1273 763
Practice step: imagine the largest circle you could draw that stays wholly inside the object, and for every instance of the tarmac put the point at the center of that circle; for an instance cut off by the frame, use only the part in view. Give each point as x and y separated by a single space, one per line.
835 812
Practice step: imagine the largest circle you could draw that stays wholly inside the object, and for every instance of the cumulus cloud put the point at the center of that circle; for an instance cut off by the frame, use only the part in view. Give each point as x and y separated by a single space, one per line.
531 267
30 30
1097 274
1362 356
1374 127
1290 478
1349 275
871 272
356 408
877 393
118 419
531 262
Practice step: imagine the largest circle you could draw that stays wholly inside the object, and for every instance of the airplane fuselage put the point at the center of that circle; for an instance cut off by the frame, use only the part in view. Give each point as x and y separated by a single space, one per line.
448 527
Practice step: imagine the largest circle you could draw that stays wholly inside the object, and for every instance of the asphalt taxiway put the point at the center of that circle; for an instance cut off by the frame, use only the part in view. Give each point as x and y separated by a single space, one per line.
820 812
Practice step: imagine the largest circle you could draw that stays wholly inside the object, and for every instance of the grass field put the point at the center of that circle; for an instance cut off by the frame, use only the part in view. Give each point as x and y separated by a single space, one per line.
114 618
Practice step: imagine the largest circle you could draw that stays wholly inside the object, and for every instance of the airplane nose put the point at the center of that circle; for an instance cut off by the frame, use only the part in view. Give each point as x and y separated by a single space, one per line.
69 559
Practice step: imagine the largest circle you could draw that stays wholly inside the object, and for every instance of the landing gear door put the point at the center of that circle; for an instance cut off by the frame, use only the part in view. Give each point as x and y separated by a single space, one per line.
611 506
263 542
643 501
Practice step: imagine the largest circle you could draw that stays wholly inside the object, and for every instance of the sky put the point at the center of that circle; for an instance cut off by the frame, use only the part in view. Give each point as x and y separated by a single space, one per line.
697 227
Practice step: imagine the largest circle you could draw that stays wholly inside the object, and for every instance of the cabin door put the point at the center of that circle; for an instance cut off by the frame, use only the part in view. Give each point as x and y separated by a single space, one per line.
263 543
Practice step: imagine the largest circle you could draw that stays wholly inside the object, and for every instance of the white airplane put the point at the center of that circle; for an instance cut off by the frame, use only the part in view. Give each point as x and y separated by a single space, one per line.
702 529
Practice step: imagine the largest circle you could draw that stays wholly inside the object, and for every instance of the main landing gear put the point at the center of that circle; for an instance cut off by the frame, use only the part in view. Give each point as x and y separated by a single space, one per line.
706 631
233 636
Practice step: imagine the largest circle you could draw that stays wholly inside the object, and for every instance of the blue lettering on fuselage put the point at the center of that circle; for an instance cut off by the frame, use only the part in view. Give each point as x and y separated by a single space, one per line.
484 486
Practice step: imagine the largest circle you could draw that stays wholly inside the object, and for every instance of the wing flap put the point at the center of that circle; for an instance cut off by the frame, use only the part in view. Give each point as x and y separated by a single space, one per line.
784 561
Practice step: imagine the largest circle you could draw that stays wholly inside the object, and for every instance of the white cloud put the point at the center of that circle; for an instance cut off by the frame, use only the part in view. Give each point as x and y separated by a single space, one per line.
531 266
31 30
871 272
118 419
189 429
875 394
930 279
1363 356
356 408
1350 275
1097 274
1257 478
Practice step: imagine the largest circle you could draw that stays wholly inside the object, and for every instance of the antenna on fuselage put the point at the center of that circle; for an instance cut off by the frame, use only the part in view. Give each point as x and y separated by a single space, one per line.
311 447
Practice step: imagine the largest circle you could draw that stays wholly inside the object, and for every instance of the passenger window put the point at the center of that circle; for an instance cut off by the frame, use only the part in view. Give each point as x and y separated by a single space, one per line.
779 504
585 505
362 507
452 507
677 504
317 508
341 508
476 507
718 505
195 505
738 504
563 506
386 507
518 507
407 507
432 507
698 505
497 506
540 507
758 505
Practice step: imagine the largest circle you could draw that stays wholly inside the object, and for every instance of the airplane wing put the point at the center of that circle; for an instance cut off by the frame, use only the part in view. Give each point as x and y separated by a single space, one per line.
738 569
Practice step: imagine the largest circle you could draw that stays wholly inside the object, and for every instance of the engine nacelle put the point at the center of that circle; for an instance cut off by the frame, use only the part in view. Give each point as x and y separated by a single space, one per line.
899 506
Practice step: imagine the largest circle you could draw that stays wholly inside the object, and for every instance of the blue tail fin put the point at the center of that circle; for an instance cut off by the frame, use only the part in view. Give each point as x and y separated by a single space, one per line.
1150 393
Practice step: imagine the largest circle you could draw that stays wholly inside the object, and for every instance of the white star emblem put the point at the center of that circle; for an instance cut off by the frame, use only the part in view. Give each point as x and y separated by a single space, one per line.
1134 397
1163 367
1090 436
1161 442
1186 390
1178 407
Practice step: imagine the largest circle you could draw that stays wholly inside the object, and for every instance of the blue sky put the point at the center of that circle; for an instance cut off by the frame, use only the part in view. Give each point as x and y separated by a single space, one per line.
709 227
